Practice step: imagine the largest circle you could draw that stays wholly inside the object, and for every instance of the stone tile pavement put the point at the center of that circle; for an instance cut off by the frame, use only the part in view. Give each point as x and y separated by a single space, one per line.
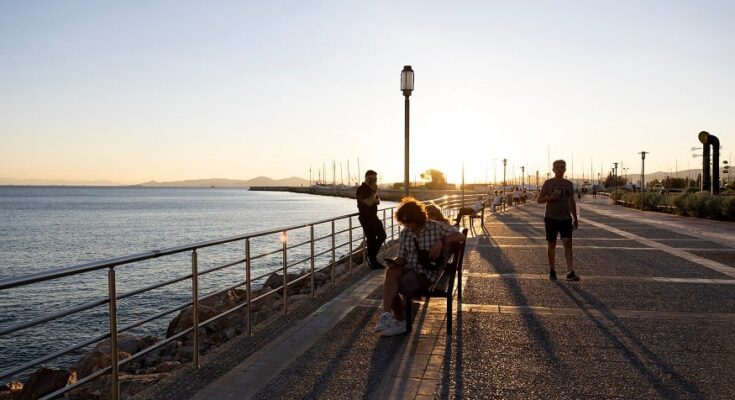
652 317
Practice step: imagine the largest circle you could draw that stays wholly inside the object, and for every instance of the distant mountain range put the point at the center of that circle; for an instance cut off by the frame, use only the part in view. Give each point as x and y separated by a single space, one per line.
221 182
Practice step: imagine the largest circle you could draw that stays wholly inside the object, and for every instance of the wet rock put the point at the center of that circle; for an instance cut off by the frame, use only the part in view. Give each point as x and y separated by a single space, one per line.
183 320
168 366
44 381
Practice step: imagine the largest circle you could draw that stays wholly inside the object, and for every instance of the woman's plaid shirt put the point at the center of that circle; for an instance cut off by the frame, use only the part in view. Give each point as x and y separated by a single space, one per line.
432 232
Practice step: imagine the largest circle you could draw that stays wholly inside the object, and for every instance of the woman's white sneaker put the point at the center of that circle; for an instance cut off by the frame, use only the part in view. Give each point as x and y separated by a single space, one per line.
397 328
384 322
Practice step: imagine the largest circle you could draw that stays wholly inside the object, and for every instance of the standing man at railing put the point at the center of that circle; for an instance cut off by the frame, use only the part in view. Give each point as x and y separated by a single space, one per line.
560 217
368 200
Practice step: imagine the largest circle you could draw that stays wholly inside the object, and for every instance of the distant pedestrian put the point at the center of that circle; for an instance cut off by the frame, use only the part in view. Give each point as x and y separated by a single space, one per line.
368 200
516 196
560 217
594 192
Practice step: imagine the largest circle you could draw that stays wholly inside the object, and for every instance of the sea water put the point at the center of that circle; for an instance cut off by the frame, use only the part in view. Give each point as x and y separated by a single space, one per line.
45 228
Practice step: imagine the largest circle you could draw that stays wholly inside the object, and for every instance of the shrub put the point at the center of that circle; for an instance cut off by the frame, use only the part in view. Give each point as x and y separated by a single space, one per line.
728 207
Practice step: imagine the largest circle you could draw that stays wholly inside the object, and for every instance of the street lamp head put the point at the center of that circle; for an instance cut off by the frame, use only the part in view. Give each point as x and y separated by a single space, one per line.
703 136
407 80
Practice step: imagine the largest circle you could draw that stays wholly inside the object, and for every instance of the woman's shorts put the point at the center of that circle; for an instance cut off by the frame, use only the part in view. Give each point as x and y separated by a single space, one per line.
412 281
556 227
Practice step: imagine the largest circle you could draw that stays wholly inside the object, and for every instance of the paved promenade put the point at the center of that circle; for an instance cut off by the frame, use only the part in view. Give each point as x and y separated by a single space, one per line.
653 317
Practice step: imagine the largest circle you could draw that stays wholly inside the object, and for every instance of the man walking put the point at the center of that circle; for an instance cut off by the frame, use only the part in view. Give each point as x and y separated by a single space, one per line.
367 205
560 218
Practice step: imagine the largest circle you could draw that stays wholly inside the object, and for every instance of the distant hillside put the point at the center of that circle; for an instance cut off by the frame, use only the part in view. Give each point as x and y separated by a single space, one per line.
221 182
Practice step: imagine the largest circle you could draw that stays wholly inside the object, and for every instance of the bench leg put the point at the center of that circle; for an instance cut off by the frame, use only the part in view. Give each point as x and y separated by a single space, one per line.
409 310
449 315
459 283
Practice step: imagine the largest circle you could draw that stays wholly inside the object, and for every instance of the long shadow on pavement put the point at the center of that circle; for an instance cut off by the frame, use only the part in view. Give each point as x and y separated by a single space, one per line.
627 352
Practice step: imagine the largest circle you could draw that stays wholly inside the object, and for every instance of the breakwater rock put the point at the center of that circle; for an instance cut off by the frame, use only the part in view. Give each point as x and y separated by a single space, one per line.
349 192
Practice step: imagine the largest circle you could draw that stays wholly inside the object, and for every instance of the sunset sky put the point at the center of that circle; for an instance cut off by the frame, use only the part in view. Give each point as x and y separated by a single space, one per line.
128 92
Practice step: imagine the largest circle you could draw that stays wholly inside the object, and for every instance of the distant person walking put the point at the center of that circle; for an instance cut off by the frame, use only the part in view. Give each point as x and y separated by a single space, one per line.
560 217
368 200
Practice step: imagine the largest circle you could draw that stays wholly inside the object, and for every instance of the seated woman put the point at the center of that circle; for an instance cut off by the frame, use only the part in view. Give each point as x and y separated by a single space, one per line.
435 214
472 210
497 200
405 271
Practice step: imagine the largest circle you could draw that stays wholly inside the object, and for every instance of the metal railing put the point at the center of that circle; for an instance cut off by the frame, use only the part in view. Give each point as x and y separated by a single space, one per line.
313 242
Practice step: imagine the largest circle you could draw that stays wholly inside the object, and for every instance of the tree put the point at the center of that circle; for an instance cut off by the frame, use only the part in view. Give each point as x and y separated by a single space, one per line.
610 181
435 178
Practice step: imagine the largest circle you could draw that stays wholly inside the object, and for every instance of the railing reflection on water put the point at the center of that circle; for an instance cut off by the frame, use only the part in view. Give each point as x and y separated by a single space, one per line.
313 244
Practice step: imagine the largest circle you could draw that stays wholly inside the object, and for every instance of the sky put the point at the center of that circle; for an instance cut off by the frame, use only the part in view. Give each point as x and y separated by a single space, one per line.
129 92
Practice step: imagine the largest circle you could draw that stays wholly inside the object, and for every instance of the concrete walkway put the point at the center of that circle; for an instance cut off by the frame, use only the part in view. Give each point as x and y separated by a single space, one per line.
652 317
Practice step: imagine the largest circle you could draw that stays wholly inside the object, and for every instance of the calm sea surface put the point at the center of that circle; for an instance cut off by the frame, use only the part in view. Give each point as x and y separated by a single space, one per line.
43 228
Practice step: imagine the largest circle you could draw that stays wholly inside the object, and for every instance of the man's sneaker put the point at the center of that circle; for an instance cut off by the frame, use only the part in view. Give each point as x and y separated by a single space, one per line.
396 328
384 322
572 277
552 275
375 265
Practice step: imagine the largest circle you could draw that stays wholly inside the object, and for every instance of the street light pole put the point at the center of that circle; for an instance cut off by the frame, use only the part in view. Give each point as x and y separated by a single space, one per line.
643 174
523 174
406 88
615 181
505 162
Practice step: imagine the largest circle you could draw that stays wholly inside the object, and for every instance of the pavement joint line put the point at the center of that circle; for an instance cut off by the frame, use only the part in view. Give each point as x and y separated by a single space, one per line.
603 278
642 314
672 222
593 238
539 246
713 265
255 372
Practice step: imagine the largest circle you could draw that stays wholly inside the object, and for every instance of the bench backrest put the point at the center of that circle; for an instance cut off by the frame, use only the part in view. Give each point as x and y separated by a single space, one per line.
456 254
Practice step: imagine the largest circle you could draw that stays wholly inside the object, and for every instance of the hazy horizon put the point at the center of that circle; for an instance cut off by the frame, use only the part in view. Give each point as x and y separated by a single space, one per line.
149 91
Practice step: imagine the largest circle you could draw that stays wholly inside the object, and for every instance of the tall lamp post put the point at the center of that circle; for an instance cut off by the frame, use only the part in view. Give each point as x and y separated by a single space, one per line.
643 174
615 180
505 162
523 174
406 88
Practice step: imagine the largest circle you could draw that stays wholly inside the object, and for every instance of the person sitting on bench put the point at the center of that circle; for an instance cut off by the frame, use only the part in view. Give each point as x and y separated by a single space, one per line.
405 271
497 200
471 211
435 214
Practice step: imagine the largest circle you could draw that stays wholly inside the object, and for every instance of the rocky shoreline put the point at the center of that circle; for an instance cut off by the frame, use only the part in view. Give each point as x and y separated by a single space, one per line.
161 364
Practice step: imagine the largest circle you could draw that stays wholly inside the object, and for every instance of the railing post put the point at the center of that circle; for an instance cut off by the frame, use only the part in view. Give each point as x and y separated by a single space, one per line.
114 356
334 256
284 239
350 246
392 218
248 290
313 286
195 306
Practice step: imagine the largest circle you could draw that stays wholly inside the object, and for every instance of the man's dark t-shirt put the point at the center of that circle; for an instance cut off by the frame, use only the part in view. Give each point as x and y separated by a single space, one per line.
558 209
364 192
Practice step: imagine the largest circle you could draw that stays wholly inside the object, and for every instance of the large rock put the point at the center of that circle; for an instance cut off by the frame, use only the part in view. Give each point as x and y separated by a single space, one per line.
94 361
126 342
183 320
44 381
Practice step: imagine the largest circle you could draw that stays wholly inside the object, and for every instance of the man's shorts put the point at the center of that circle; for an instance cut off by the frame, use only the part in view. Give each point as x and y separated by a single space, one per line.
556 227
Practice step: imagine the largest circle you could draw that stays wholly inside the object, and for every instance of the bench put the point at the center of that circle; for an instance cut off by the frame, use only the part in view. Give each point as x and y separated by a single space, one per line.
444 285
